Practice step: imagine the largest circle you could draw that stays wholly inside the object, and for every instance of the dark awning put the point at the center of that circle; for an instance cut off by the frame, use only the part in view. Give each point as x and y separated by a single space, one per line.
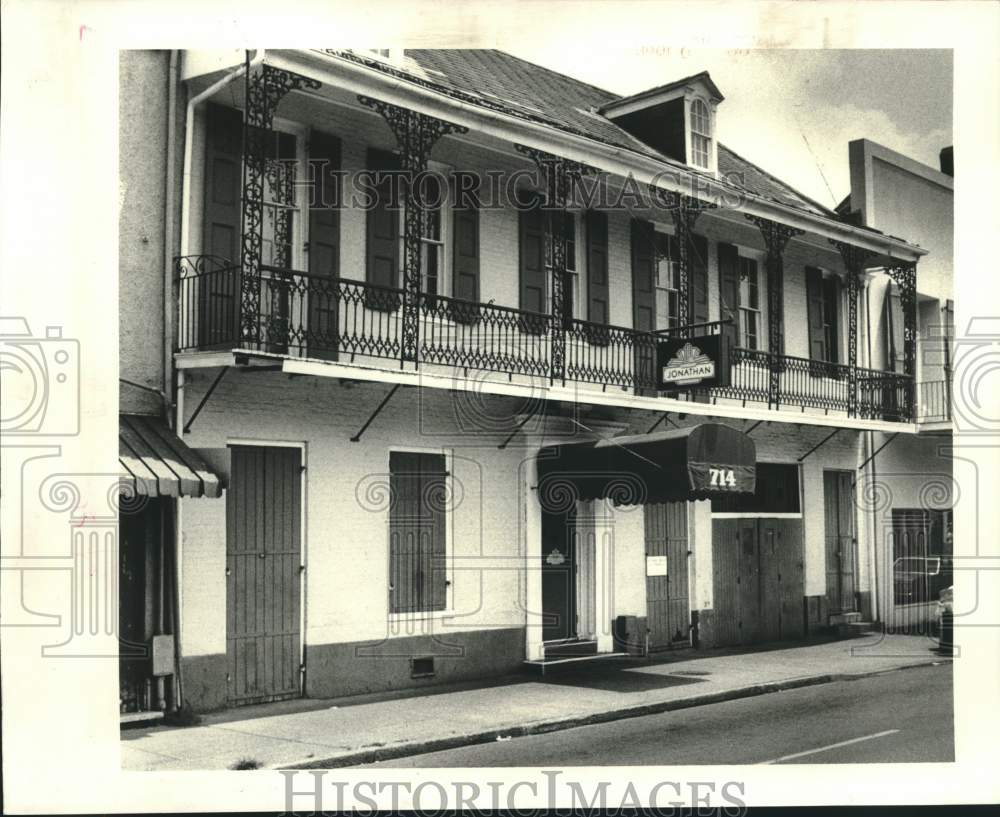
158 463
699 462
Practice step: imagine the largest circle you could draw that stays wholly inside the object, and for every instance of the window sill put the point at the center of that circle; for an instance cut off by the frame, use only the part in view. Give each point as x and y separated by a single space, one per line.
430 615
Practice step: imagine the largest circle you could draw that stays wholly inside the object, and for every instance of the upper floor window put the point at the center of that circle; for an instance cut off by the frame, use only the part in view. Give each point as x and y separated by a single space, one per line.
749 304
572 292
667 284
701 134
432 237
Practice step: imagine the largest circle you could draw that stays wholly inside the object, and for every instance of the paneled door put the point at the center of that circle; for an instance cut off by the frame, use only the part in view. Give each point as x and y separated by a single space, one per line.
668 614
263 558
841 542
758 580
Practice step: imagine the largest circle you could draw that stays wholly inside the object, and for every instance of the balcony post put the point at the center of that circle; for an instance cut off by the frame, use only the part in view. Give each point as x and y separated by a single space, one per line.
904 275
855 259
558 173
416 134
776 237
684 210
265 87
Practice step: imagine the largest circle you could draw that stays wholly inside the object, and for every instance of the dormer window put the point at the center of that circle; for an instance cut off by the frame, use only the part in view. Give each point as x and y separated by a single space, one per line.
677 119
701 134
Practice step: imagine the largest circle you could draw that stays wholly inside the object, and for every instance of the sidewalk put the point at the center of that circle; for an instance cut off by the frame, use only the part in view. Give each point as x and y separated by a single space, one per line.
359 730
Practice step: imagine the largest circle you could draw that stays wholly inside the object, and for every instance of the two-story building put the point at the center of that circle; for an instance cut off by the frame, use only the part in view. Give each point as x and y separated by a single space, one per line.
441 362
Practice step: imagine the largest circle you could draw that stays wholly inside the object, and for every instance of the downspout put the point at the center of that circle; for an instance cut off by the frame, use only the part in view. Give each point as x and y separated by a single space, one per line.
168 229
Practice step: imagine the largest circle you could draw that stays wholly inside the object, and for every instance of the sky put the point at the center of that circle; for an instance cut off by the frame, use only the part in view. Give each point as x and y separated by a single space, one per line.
793 112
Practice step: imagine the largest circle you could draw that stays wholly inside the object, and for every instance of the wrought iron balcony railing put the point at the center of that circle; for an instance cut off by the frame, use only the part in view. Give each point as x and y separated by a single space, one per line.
356 322
934 401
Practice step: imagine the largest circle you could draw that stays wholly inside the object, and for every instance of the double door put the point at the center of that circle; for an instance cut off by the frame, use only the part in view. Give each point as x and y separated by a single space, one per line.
758 580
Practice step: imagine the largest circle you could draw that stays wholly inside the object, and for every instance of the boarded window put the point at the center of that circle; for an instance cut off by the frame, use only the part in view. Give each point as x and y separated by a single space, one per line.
417 566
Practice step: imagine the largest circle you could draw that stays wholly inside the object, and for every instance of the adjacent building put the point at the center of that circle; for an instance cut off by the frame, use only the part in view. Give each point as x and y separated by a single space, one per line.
438 364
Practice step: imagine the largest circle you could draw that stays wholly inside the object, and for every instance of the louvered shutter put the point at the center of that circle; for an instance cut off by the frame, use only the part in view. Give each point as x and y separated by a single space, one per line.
598 288
814 313
698 279
644 301
383 237
218 288
729 291
324 246
417 571
465 264
532 269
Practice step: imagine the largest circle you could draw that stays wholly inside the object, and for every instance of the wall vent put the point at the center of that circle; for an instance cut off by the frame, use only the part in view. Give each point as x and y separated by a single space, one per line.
422 667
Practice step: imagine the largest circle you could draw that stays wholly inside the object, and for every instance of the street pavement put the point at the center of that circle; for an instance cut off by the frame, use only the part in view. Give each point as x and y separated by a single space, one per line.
895 717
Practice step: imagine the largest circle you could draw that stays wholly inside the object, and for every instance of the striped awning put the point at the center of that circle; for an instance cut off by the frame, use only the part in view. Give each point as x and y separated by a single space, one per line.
158 463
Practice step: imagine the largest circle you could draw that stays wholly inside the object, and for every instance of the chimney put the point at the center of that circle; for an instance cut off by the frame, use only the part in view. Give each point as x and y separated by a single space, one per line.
947 157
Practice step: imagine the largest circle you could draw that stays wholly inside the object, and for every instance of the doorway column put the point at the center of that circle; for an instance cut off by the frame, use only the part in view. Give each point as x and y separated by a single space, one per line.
531 545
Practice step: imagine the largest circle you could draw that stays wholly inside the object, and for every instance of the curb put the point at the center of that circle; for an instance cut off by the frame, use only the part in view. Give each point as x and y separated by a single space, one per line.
377 753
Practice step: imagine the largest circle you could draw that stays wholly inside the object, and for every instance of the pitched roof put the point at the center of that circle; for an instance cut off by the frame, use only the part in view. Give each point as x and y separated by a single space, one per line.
501 81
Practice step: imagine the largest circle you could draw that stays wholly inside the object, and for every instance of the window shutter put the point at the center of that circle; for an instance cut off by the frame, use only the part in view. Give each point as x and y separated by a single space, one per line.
223 182
417 532
324 246
729 291
382 258
598 294
465 264
814 313
698 279
831 307
644 301
218 290
893 330
532 268
643 276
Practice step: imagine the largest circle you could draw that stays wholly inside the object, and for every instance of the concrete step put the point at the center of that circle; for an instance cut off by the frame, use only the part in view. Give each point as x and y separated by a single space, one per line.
570 648
854 629
548 665
836 619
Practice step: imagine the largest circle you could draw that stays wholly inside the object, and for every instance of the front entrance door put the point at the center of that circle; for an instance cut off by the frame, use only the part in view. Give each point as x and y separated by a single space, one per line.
558 575
841 542
667 606
758 580
263 519
144 586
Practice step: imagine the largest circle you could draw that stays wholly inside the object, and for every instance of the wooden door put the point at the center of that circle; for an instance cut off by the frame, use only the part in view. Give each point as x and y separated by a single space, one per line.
841 542
726 581
263 558
748 582
558 575
667 604
758 580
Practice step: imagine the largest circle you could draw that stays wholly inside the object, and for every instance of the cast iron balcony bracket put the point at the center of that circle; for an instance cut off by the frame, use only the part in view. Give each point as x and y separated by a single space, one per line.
558 172
684 210
776 237
265 87
416 134
855 258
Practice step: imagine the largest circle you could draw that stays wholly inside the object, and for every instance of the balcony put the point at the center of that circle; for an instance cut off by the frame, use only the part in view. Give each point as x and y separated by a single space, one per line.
351 321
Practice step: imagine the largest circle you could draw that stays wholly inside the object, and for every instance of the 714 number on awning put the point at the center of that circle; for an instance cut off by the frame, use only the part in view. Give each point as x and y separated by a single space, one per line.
722 477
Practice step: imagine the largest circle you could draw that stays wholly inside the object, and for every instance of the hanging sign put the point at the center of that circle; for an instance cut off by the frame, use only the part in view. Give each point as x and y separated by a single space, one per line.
700 362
